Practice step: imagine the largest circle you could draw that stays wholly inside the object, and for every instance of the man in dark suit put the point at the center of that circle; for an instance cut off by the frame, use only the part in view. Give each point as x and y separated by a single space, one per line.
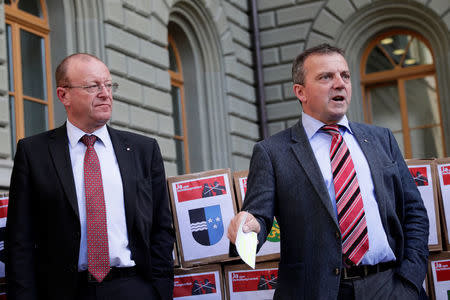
88 224
298 176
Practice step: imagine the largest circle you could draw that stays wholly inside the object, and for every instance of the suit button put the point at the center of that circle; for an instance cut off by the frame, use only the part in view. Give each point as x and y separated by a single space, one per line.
337 271
76 235
338 236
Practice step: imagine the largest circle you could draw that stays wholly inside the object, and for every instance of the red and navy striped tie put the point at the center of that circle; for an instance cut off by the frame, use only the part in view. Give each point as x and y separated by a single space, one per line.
349 203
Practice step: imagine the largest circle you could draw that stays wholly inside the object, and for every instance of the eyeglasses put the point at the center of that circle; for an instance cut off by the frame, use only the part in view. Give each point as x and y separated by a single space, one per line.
95 88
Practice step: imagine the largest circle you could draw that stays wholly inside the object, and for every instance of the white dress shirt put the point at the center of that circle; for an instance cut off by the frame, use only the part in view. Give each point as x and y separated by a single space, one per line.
379 249
119 252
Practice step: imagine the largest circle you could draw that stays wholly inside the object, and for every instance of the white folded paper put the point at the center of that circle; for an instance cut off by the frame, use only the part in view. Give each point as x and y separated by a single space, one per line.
246 244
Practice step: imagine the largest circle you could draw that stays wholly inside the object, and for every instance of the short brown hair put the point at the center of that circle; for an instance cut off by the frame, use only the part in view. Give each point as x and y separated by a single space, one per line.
61 71
298 72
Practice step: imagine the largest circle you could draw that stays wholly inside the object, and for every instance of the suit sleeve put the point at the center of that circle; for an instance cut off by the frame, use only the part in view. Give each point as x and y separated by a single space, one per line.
19 240
260 197
162 234
414 221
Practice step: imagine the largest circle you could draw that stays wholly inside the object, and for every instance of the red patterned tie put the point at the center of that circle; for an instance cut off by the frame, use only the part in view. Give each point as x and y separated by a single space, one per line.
97 234
349 203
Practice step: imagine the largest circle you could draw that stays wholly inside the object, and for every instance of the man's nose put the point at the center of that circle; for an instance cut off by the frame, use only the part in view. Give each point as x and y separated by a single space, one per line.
338 82
102 89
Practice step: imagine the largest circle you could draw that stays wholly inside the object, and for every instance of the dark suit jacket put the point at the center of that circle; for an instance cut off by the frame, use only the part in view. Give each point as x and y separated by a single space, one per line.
285 181
43 226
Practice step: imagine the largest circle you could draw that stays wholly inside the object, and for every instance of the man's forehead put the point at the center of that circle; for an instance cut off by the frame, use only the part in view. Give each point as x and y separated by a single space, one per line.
326 63
88 69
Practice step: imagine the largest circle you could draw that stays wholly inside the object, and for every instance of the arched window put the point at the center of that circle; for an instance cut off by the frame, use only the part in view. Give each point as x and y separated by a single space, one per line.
194 34
28 53
179 112
398 80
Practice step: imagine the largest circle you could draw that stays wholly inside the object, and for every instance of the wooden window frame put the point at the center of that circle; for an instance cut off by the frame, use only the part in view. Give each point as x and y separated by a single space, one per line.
398 76
20 20
176 80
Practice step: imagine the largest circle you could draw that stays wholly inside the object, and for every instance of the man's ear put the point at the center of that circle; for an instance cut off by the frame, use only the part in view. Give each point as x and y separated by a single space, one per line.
299 91
62 96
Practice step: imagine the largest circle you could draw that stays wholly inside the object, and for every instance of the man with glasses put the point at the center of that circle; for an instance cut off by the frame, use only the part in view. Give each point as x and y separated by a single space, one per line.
88 213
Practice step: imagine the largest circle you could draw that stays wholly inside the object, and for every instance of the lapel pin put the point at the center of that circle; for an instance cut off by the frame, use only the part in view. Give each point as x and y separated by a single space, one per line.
366 141
128 149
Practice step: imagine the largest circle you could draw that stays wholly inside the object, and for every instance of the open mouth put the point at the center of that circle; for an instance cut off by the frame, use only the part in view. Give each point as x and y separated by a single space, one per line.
338 98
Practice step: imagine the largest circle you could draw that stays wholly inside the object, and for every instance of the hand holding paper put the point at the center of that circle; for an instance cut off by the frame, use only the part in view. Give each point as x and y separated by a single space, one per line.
246 244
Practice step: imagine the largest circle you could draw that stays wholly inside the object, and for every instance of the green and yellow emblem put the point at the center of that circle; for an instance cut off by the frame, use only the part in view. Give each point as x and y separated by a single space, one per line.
274 235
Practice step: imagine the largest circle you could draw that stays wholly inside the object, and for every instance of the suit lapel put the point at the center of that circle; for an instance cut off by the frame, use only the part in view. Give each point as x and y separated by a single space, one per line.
125 158
370 150
59 151
305 156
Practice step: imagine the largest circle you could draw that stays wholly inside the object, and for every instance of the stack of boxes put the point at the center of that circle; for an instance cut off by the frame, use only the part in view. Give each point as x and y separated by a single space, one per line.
203 205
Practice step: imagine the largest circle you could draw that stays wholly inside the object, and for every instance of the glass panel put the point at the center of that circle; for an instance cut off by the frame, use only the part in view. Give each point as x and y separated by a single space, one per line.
172 60
395 45
422 102
10 58
35 116
33 65
177 113
12 111
377 62
31 6
418 54
179 145
427 142
386 107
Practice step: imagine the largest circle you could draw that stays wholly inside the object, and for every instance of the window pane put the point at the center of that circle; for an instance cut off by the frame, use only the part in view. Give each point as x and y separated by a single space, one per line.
172 61
377 62
35 115
418 54
423 107
12 111
10 59
395 45
33 65
386 107
31 6
177 113
427 142
179 145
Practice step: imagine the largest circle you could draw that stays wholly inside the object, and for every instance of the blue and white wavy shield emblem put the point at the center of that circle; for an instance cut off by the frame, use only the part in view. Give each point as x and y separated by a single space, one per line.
206 224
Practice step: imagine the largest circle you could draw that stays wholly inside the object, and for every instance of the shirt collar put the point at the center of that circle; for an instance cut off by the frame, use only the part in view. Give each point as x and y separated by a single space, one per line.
313 125
74 134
